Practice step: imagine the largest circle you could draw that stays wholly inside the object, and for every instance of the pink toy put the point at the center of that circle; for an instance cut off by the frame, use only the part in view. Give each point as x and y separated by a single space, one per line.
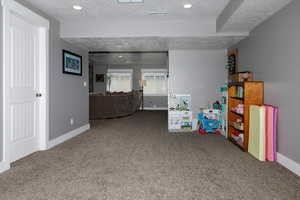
269 133
275 132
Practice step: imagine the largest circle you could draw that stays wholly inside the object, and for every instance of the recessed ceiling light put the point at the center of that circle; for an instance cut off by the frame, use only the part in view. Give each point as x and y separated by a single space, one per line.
130 1
158 13
188 5
120 56
77 7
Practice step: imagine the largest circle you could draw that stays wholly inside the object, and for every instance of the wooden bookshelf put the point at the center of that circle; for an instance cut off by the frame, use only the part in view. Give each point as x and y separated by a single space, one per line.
253 94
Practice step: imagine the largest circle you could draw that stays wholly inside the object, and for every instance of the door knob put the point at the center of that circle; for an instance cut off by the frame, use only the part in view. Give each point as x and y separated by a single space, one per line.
38 95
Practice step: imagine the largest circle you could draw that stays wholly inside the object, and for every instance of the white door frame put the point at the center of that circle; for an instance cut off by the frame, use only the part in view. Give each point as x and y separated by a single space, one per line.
9 6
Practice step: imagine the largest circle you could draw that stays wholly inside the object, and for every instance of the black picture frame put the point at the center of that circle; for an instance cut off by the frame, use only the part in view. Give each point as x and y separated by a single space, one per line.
100 78
69 69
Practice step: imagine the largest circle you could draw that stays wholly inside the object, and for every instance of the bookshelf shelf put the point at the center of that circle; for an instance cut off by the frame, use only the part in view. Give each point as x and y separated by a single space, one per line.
242 131
253 94
237 98
239 114
234 141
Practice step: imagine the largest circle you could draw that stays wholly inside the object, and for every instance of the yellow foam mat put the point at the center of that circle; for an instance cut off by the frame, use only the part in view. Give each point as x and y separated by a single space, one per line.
257 135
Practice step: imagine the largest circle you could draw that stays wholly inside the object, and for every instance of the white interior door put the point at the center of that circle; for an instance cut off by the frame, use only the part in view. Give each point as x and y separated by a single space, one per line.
23 86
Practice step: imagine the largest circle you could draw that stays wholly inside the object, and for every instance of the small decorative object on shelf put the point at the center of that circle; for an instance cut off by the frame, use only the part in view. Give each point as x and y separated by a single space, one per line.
238 125
241 97
232 61
240 77
239 109
240 92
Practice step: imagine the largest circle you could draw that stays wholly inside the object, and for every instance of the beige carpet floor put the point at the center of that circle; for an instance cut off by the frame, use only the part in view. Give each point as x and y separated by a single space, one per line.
135 158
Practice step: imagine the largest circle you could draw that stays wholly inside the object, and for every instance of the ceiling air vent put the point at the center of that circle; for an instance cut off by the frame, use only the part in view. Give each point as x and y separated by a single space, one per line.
130 1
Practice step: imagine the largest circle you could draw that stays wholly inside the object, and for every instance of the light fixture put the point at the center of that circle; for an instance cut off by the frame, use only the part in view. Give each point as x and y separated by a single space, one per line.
77 7
130 1
188 5
158 13
120 56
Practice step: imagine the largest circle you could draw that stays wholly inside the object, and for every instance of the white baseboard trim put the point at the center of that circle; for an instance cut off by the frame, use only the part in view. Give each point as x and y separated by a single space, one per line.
288 163
153 108
4 166
68 136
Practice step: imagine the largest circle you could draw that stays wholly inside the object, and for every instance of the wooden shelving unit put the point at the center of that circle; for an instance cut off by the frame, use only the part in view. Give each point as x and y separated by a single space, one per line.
253 94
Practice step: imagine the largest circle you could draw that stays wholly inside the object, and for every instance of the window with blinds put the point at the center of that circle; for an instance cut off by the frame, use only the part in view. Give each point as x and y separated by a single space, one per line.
155 82
119 80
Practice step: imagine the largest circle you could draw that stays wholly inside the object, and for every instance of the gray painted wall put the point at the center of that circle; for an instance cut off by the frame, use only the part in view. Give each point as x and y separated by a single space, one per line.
200 73
272 53
1 93
156 102
68 97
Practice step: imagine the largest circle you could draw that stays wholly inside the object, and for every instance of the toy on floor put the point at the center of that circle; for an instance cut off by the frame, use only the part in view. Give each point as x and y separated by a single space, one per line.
217 105
209 122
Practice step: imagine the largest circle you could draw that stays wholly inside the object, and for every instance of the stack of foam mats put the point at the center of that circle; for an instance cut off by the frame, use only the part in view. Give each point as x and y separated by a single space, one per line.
257 133
263 131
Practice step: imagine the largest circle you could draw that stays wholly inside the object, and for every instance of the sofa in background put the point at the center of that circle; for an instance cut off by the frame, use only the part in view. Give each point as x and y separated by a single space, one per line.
114 105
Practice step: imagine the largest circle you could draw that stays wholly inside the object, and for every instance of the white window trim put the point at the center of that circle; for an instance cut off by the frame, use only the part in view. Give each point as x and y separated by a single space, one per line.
121 71
155 95
154 71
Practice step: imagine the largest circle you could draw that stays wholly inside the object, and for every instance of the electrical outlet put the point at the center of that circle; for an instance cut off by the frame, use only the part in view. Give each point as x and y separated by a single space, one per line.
72 121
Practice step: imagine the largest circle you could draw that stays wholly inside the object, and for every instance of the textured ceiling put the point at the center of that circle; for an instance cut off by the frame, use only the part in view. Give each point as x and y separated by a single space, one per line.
129 58
154 43
123 33
111 10
251 13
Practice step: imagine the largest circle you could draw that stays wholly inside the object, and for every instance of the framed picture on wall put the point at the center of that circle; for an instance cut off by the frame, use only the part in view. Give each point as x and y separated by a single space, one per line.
100 78
72 63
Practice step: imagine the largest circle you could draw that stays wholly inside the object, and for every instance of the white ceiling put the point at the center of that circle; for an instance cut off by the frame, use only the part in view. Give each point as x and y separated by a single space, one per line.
155 43
251 13
105 25
129 58
110 9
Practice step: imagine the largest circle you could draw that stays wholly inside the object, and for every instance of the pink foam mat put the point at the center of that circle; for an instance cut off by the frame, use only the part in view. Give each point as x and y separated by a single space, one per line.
276 110
271 132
